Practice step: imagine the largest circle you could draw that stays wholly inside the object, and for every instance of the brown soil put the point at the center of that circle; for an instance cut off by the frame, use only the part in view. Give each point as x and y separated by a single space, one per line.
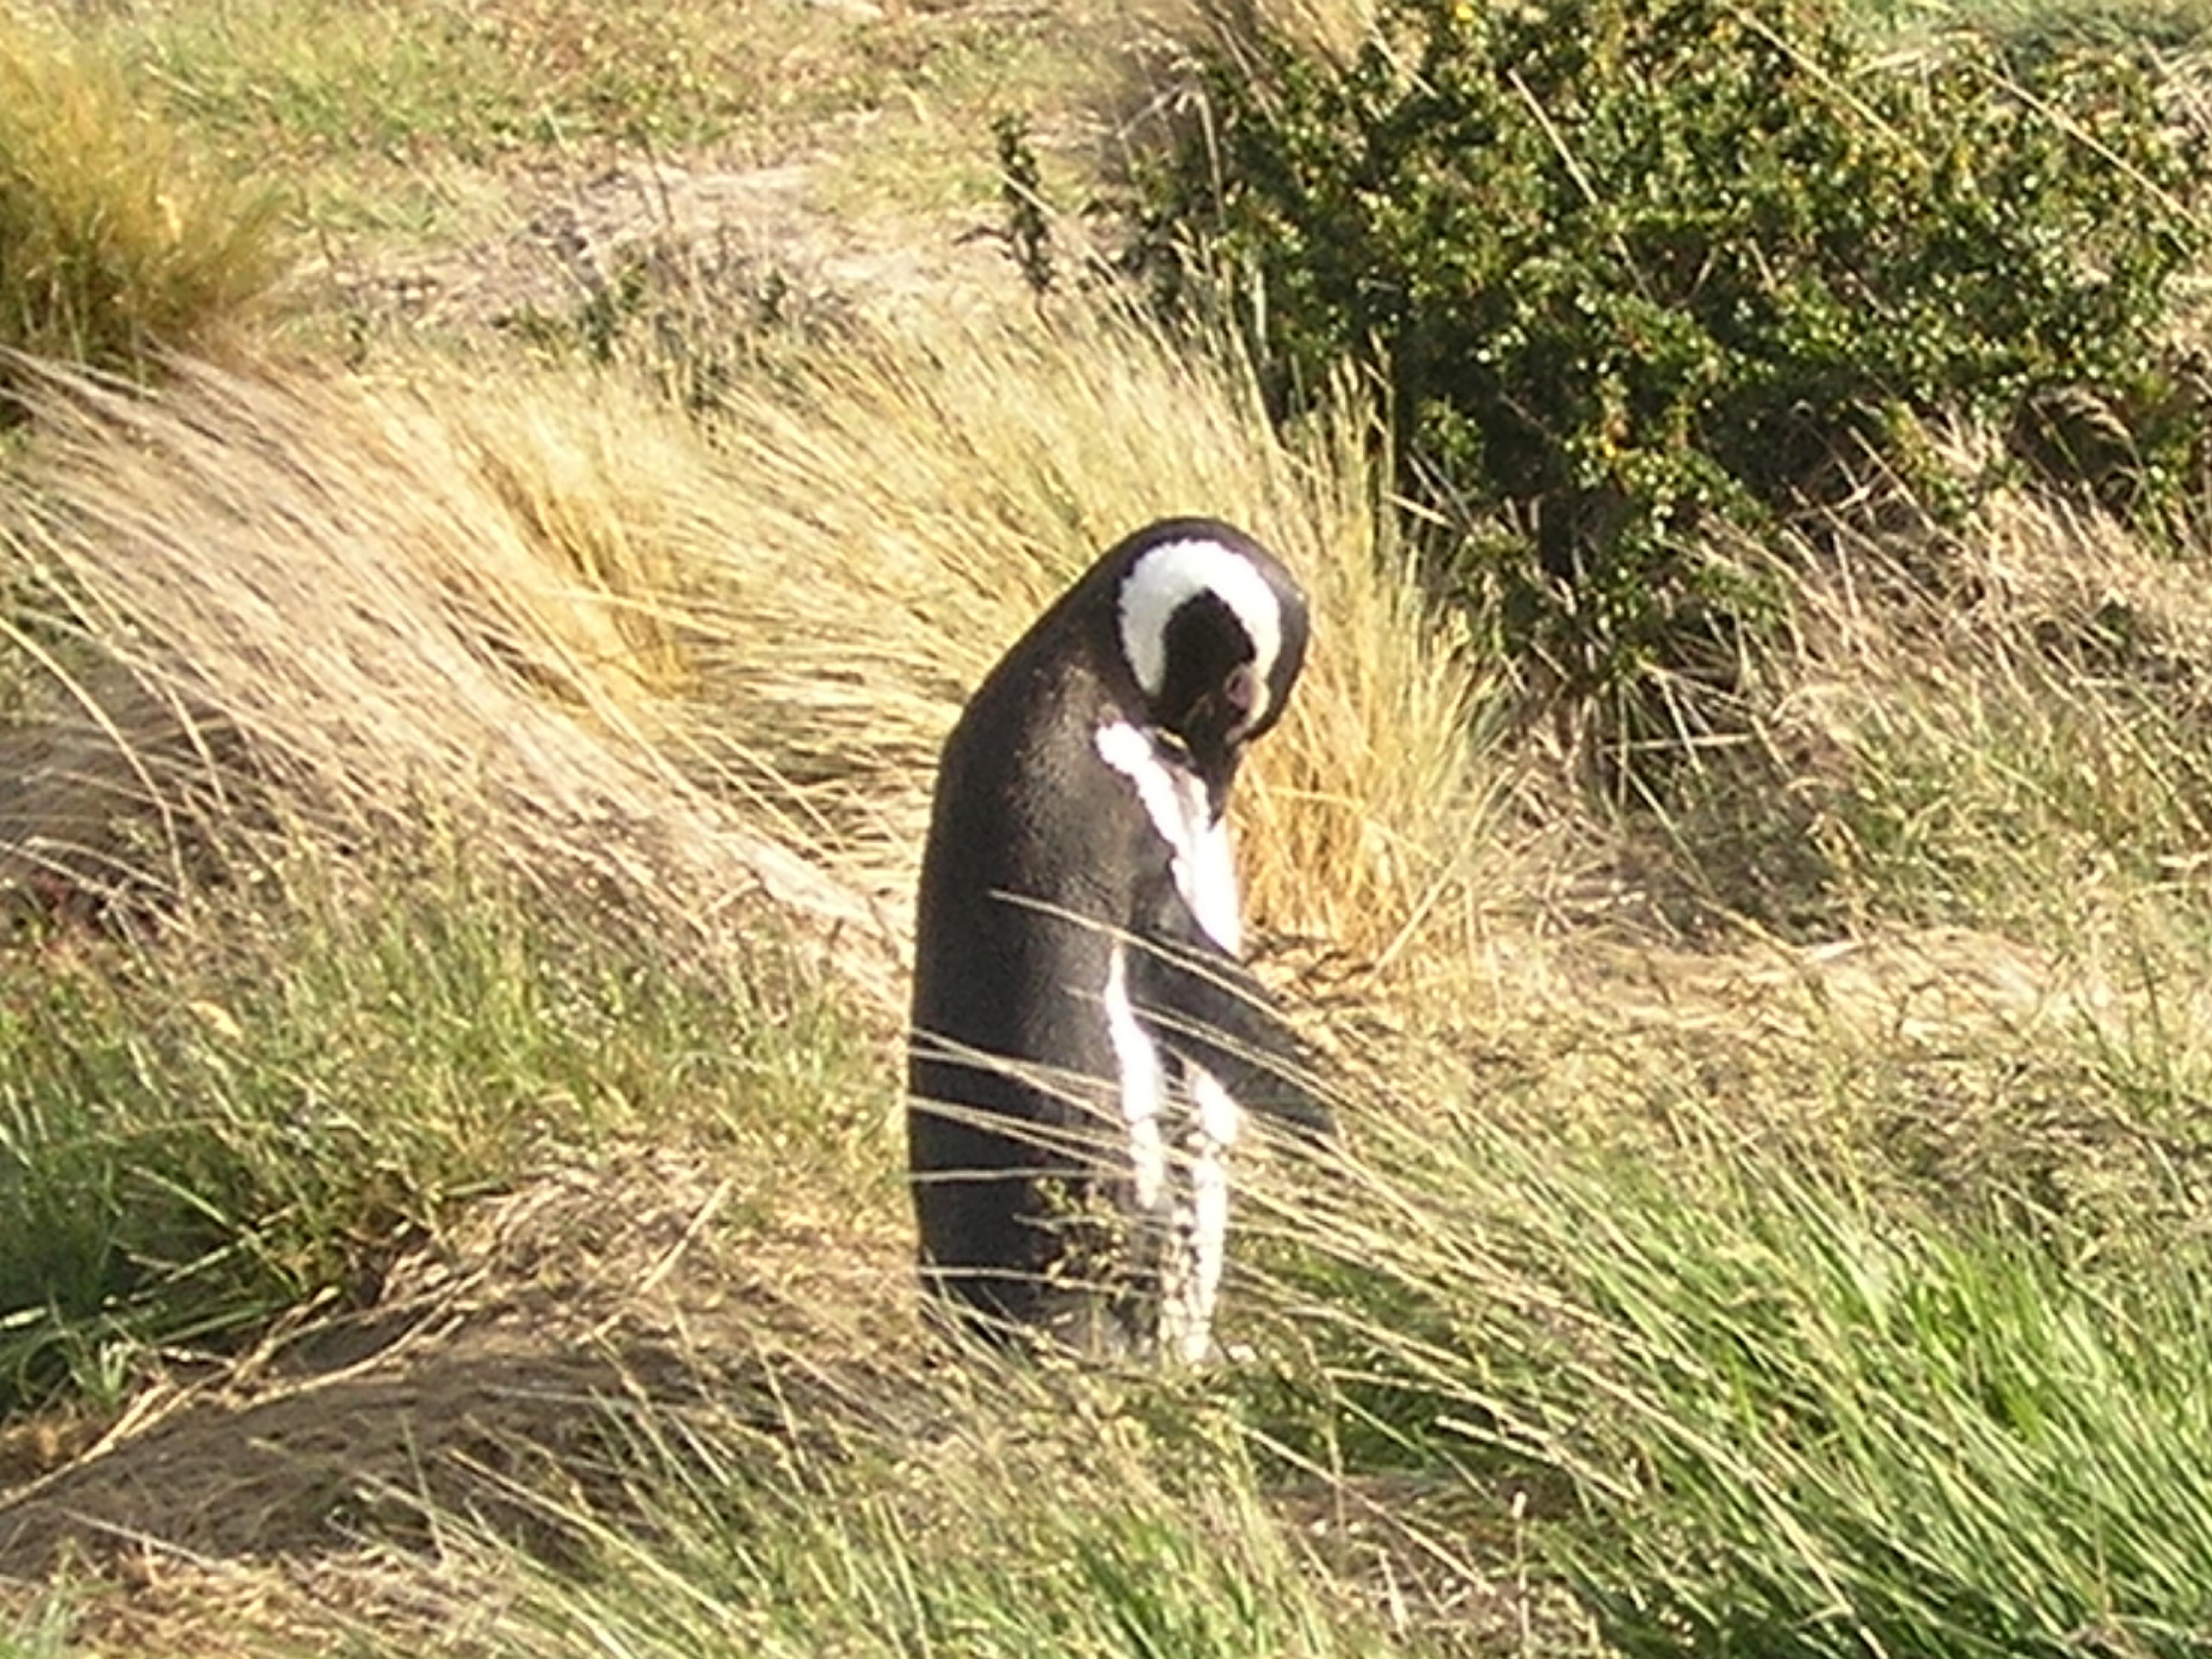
733 232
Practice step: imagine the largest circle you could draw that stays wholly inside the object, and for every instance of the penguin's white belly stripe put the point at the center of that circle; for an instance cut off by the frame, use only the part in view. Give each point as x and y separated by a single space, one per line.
1209 886
1143 1085
1184 1191
1174 799
1194 1282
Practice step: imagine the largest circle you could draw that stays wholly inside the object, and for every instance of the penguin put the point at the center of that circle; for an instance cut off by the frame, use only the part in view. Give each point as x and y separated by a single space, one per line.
1085 1039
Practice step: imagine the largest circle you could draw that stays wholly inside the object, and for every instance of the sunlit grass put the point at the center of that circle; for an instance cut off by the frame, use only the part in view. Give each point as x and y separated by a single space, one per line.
115 242
40 1630
1761 1408
988 1512
247 1109
388 117
478 769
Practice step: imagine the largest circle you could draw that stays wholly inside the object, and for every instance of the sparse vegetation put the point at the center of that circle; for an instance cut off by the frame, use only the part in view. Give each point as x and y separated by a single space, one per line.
459 790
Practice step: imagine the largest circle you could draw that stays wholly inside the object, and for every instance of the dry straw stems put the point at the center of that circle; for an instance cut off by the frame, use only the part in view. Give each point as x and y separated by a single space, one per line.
679 663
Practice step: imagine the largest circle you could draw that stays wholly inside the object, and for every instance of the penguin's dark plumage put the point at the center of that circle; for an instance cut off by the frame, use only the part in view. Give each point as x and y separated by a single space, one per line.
1084 1033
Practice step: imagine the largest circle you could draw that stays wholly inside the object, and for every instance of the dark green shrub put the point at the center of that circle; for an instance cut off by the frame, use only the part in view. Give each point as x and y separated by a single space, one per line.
1626 263
1021 191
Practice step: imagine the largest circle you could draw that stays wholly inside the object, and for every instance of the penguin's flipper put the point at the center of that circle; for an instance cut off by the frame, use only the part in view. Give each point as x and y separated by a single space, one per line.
1201 1001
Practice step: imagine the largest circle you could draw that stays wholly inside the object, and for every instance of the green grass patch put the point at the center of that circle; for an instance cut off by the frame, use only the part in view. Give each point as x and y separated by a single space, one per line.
395 78
39 1630
1766 1410
990 1515
387 114
245 1113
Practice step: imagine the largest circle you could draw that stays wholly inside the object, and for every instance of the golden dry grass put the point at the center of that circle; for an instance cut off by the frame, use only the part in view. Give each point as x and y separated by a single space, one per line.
554 608
350 606
117 241
900 520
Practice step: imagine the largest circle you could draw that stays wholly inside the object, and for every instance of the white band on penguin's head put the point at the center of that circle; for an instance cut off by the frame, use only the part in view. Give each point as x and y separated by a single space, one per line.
1168 577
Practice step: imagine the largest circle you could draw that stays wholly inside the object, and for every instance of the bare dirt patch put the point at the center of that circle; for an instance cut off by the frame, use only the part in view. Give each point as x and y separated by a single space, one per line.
765 235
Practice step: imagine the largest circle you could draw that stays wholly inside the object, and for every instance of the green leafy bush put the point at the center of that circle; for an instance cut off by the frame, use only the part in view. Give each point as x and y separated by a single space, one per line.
1626 264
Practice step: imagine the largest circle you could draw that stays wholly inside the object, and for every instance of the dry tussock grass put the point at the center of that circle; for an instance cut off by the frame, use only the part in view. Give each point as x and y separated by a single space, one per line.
898 521
551 612
380 617
118 243
318 1487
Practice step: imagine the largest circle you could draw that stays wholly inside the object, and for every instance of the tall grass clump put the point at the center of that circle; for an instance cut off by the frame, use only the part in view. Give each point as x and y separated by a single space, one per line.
115 245
250 1110
902 511
382 607
1755 1407
1627 266
956 1515
1996 725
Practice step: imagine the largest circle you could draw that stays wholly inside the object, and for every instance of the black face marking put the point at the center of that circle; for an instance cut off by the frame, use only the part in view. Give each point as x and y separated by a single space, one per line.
1207 697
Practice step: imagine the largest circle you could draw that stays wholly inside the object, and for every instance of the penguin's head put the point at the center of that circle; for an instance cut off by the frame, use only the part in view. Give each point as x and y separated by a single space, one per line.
1212 628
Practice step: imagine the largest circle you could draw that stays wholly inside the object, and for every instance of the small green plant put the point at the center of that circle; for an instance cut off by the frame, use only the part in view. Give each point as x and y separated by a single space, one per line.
1021 189
694 316
1625 264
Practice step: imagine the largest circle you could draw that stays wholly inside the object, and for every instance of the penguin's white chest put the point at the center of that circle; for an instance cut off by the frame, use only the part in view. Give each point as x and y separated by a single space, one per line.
1180 1173
1174 799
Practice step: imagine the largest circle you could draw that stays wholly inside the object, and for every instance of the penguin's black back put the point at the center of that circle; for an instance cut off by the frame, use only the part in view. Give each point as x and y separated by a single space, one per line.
1035 852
